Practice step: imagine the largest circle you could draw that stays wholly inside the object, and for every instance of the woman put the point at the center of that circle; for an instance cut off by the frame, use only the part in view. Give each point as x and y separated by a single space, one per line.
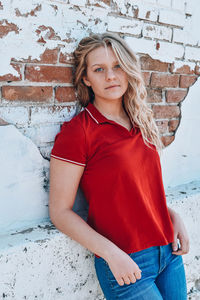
111 148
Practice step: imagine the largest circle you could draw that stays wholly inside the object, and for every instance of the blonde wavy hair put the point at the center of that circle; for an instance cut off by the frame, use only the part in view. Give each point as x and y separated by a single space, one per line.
134 99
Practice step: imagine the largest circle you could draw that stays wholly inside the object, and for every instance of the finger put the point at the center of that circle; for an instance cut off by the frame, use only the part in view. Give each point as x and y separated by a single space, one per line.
175 244
132 278
126 280
120 281
184 245
138 274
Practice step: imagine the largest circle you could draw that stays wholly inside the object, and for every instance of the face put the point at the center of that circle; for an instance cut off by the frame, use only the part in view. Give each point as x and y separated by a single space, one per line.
104 75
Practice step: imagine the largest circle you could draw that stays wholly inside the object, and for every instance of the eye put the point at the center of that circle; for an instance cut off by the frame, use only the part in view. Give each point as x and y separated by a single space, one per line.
117 66
98 69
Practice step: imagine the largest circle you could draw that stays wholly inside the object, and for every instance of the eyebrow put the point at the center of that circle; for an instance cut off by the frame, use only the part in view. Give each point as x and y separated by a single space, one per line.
116 62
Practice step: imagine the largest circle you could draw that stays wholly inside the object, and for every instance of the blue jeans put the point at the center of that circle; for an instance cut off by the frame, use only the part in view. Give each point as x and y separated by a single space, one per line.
163 277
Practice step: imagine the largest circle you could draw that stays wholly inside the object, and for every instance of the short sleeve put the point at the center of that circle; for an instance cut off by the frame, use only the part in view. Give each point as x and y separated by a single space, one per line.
70 143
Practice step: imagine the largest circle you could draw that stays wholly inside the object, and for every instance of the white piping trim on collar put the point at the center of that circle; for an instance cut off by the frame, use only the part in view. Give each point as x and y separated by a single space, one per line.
92 116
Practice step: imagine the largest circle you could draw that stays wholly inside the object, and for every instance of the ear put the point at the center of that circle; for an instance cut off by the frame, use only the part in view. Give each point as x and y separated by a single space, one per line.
86 81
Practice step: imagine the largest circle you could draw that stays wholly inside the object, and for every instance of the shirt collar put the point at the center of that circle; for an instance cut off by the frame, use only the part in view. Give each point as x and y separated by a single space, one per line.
95 114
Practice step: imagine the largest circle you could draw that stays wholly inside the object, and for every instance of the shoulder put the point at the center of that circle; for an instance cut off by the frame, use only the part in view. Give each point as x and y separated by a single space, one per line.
75 124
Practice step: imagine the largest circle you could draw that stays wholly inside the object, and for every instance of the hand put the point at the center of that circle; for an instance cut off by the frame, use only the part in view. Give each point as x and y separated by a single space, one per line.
124 269
180 233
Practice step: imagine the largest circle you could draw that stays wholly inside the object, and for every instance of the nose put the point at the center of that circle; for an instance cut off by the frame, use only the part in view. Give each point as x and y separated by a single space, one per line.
110 75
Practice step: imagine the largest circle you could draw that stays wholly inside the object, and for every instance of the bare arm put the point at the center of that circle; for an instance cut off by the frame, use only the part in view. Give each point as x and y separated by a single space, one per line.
64 181
180 233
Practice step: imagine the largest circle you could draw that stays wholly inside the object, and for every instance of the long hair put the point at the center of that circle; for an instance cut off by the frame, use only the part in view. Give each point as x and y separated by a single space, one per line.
134 99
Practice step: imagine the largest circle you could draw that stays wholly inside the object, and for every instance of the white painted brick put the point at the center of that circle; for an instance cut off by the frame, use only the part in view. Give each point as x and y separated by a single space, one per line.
159 32
40 115
178 64
124 25
15 115
184 36
172 17
192 53
166 3
41 134
140 45
190 5
147 12
78 2
178 4
167 52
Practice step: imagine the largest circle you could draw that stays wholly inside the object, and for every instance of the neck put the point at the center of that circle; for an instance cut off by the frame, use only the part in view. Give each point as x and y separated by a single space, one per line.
112 108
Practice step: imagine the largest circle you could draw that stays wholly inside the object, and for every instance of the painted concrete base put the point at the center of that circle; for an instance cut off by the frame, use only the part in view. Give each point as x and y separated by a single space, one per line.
43 263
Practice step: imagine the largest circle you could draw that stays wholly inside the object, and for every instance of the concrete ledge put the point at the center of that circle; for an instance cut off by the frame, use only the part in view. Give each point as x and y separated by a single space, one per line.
43 263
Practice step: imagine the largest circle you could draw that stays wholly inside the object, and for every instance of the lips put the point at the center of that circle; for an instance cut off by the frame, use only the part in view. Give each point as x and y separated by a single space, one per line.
112 86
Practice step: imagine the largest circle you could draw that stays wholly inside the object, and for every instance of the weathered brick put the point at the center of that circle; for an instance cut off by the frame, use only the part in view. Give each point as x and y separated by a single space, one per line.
178 4
158 32
183 69
66 58
187 81
167 140
154 95
173 124
162 126
172 17
166 111
27 93
49 74
192 53
49 56
147 63
11 77
197 69
6 27
51 114
164 80
2 122
184 36
175 95
65 94
118 24
146 77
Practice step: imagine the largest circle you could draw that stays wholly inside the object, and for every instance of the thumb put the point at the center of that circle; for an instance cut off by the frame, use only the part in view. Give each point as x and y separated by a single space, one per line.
175 245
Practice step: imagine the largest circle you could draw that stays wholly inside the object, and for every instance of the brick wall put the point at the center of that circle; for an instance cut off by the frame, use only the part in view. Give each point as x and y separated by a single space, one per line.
37 39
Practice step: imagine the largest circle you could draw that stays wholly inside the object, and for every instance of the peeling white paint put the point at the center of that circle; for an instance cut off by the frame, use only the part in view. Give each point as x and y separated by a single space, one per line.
181 159
22 196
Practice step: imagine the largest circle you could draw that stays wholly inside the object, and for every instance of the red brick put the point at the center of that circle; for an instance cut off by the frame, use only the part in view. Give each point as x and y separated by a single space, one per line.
147 63
175 95
166 111
49 56
2 122
173 124
187 81
167 140
65 94
197 69
66 58
154 95
49 74
6 27
50 33
164 80
185 69
27 93
162 126
11 77
146 77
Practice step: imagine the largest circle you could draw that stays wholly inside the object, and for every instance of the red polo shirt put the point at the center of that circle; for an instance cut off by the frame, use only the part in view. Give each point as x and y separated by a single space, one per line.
122 180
